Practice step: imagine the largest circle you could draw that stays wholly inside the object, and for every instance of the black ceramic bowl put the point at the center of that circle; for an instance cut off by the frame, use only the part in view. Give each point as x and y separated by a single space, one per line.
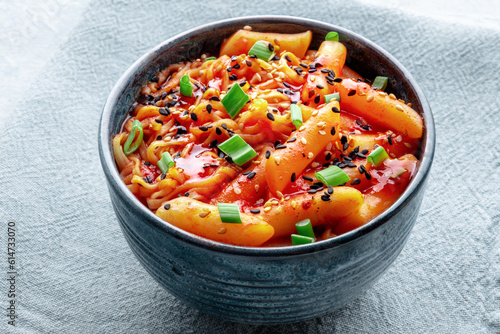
264 285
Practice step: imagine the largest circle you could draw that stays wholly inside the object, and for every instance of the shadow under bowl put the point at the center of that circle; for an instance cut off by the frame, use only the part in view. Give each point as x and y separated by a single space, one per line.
264 285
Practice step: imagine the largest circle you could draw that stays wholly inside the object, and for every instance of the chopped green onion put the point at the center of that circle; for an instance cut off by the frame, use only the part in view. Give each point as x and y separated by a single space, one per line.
332 176
401 172
166 162
210 58
238 150
186 87
377 156
234 100
229 213
380 83
332 36
301 239
330 97
261 50
130 147
296 114
305 228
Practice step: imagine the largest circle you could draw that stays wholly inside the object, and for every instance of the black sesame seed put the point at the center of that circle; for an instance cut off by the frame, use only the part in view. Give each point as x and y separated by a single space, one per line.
280 147
163 176
159 121
213 98
312 70
186 194
316 185
361 169
181 130
351 93
328 156
185 112
356 181
298 70
193 116
243 83
325 197
233 77
346 146
337 80
224 126
214 165
342 165
330 77
167 206
325 70
358 122
268 154
148 178
248 63
218 131
343 139
286 84
332 131
330 190
280 90
291 140
213 143
317 98
350 164
255 211
203 128
270 116
252 56
312 191
303 65
368 176
319 87
276 57
163 111
251 175
155 79
159 137
287 58
270 47
229 159
293 177
307 178
229 68
147 163
335 109
236 66
389 139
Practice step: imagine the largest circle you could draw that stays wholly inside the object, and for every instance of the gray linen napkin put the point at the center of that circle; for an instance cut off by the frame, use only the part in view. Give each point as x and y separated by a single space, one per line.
75 270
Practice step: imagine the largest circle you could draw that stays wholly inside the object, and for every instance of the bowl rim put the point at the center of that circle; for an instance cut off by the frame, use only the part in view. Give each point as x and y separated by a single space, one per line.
114 180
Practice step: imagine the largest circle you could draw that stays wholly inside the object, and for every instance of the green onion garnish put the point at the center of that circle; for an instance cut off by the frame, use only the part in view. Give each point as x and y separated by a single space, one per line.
377 156
380 83
332 36
305 228
238 150
210 58
166 162
186 87
296 114
330 97
332 176
262 51
301 239
401 172
229 213
234 100
130 147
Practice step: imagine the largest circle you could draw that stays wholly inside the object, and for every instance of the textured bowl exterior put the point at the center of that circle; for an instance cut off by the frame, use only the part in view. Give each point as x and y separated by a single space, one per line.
263 285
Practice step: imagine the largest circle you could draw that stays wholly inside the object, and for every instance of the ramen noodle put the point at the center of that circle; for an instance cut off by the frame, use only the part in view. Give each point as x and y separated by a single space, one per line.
240 147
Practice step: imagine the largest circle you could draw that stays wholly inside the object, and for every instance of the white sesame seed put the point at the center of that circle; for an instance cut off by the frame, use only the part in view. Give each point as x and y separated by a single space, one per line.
369 98
398 107
310 155
247 28
237 191
392 96
279 193
222 231
303 140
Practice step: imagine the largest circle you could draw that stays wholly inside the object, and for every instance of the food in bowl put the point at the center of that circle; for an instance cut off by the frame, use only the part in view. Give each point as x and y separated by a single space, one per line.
268 143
